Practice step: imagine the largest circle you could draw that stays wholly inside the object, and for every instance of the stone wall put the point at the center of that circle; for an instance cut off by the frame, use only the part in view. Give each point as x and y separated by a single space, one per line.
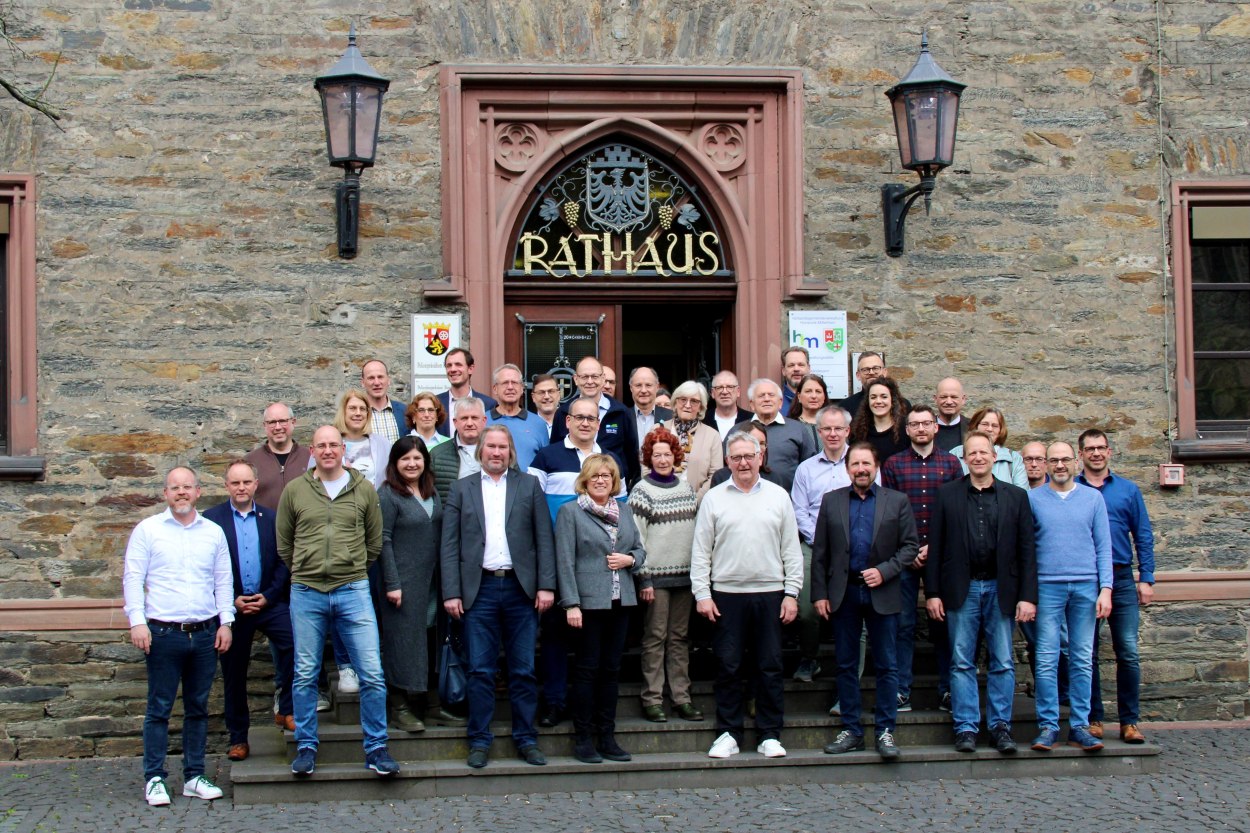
188 274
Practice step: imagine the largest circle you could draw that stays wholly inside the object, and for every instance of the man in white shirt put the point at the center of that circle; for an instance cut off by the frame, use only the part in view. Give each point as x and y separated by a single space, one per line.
643 384
727 413
181 623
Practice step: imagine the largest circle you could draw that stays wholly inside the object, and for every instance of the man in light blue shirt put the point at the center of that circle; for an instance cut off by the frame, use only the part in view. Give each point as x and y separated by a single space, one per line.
529 431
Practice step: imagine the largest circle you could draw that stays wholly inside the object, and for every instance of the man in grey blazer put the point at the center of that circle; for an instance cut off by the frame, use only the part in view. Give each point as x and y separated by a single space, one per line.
499 574
865 538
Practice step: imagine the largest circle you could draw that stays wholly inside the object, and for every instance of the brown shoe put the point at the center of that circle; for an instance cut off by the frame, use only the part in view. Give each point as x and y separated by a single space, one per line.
1095 729
285 721
239 752
1129 733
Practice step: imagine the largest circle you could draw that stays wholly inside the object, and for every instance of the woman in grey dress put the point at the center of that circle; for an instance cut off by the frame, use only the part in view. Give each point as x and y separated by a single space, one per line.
411 530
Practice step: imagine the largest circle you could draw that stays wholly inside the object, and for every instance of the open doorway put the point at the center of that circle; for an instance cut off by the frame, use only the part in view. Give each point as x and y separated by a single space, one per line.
680 340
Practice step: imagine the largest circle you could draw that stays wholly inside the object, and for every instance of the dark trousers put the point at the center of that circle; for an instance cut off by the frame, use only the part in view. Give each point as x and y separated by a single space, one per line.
749 622
553 657
274 622
189 659
502 614
849 620
939 638
597 669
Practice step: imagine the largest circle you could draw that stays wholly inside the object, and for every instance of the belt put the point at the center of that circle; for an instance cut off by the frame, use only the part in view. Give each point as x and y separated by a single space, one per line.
497 573
186 627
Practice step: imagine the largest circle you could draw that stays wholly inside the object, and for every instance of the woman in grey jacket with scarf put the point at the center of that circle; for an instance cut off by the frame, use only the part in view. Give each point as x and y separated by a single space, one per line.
598 550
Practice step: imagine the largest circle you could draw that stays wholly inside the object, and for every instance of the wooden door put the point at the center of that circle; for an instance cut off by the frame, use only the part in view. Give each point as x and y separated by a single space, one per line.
552 338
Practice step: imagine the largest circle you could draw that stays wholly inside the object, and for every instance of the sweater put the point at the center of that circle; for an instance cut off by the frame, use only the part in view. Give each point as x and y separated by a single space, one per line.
746 542
328 543
1073 535
664 514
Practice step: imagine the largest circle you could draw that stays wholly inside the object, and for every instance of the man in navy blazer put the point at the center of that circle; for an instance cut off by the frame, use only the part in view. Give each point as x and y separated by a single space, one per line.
389 418
499 574
865 537
262 588
459 364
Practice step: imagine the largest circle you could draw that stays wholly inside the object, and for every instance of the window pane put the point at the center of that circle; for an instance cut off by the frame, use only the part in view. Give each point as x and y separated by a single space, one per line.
1222 320
1222 389
1225 261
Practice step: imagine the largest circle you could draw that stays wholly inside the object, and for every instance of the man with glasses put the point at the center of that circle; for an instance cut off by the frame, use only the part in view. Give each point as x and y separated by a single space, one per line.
949 401
529 432
790 442
609 381
279 459
1130 530
1074 582
917 471
870 367
727 413
1034 455
329 531
618 433
746 572
545 395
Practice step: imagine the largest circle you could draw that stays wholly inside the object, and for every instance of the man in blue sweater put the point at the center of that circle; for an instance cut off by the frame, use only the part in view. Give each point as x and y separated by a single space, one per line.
1074 586
1130 529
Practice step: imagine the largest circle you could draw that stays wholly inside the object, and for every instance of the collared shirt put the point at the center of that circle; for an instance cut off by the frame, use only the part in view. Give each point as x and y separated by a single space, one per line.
755 487
185 571
982 521
645 422
815 477
467 454
918 478
384 421
863 510
247 536
529 433
1130 525
496 556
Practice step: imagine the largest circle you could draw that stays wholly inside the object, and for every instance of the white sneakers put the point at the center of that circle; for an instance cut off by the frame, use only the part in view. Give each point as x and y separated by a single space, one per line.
724 746
771 748
349 683
201 787
156 793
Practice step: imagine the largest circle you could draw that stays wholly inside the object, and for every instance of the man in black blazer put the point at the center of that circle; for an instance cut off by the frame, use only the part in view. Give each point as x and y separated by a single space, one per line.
499 574
262 588
618 430
980 578
865 538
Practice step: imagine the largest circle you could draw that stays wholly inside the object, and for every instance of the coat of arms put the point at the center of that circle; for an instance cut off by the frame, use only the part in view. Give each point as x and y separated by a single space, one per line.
618 190
437 338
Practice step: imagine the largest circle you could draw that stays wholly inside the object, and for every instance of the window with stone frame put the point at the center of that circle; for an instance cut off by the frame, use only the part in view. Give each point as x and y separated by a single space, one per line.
19 427
1211 265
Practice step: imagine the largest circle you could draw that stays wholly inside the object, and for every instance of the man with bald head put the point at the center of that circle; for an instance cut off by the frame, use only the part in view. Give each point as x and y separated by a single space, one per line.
388 414
1034 455
618 432
949 402
329 531
279 459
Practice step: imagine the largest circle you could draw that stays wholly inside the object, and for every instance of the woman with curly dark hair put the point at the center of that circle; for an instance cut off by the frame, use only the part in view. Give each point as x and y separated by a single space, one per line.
882 415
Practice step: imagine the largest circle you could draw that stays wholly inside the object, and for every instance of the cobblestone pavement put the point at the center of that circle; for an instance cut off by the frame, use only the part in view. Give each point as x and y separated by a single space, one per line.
1201 789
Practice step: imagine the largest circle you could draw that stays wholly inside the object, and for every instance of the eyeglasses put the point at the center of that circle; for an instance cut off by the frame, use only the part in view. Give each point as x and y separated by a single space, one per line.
876 369
584 419
741 458
603 475
1090 449
1035 459
1058 461
724 387
326 446
589 377
272 422
427 410
833 429
928 423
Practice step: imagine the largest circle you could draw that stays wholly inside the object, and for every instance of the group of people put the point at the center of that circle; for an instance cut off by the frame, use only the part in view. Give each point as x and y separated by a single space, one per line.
539 531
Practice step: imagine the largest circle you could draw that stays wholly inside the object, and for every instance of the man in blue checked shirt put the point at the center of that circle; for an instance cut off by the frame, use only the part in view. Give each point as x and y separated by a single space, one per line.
1130 529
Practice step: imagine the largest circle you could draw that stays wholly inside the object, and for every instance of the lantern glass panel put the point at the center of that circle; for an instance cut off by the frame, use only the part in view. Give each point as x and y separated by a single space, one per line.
368 110
950 118
338 114
923 119
902 130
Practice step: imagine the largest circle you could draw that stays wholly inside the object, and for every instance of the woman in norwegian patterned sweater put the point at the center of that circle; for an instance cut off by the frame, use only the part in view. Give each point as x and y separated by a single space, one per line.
664 510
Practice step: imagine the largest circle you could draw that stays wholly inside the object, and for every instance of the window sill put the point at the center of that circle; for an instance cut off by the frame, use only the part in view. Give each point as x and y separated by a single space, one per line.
1234 448
23 468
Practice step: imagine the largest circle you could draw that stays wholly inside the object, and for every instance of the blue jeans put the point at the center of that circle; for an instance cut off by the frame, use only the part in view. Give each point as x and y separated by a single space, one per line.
909 588
190 659
347 610
1074 603
502 614
1123 623
849 620
980 614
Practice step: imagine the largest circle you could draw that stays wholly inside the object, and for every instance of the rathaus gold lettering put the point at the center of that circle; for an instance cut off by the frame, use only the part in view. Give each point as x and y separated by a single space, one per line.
610 254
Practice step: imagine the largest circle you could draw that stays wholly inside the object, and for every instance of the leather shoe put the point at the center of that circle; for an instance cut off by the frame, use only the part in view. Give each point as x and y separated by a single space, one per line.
966 742
552 717
610 749
445 718
655 714
845 742
1095 728
285 721
239 752
478 757
532 755
688 711
584 751
1129 733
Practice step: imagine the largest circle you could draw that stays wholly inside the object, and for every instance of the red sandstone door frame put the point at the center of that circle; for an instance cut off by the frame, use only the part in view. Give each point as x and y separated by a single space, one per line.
738 131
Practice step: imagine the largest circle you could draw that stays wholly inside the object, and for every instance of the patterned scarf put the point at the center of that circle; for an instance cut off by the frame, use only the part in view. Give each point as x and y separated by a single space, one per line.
685 428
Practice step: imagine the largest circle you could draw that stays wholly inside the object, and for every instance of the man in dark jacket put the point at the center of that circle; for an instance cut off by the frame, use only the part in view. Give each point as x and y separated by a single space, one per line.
618 430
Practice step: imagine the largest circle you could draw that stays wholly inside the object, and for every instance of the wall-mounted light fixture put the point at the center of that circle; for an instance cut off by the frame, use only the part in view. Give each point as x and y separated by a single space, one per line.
351 103
926 112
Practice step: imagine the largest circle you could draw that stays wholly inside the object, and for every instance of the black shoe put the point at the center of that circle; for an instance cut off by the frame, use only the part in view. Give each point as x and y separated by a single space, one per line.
885 746
585 752
478 757
553 716
845 742
1003 741
945 703
966 742
532 755
610 749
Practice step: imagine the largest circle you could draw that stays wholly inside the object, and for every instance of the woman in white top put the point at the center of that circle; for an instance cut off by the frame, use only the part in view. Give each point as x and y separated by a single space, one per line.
424 414
364 451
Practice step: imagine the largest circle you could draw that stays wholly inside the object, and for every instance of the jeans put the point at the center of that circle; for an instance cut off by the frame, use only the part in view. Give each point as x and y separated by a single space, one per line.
503 614
597 670
1125 617
348 611
190 659
749 623
909 588
980 614
275 622
849 621
1074 603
